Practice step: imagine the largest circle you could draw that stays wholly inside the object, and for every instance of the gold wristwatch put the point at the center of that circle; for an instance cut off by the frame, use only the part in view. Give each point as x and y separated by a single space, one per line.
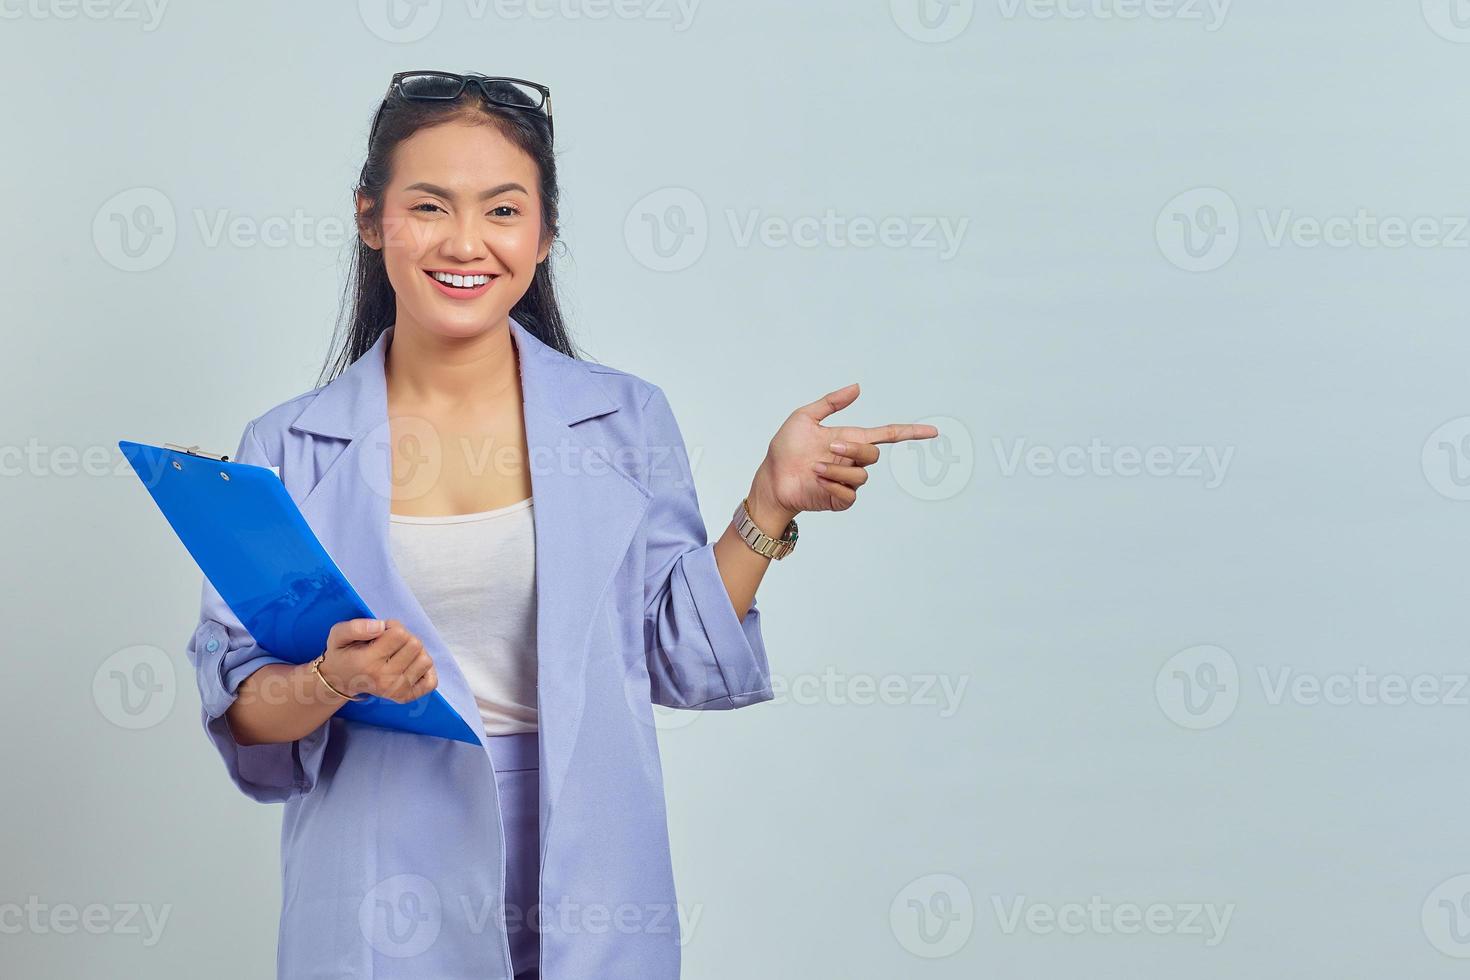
761 542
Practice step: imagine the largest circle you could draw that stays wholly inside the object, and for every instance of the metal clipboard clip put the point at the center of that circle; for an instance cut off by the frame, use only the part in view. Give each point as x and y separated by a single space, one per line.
196 451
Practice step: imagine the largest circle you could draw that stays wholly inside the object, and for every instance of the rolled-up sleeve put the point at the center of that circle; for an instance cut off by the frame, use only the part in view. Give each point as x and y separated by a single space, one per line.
224 654
701 655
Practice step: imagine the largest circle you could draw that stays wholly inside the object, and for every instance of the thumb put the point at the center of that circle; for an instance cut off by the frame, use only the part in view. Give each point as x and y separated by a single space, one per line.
357 630
833 401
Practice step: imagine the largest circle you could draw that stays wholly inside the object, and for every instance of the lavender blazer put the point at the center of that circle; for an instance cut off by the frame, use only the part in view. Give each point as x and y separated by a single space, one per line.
392 851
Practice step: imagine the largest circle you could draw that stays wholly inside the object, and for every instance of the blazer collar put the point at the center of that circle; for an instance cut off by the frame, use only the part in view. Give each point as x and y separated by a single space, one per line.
357 400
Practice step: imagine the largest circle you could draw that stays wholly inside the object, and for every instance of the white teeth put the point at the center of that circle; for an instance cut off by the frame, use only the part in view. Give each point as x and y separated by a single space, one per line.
463 282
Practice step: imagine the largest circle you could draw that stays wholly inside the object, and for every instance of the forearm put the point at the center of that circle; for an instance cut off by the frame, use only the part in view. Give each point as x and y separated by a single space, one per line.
741 568
280 703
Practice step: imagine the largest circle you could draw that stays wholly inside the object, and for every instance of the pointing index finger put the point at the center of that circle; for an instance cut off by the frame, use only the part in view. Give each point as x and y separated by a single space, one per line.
897 432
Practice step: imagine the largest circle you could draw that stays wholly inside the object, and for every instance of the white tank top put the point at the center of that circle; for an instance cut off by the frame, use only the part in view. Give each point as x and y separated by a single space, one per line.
475 576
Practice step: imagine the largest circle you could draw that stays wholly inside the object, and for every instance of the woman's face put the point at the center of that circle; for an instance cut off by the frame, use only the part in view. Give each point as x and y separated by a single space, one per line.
464 201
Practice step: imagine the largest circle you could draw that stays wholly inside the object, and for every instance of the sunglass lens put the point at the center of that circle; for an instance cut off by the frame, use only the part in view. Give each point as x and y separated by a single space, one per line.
428 86
513 93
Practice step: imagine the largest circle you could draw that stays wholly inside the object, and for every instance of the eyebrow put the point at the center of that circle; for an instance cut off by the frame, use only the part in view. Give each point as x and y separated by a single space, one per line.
495 191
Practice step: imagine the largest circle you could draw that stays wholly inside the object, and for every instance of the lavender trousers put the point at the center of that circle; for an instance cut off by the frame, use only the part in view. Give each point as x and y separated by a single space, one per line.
518 777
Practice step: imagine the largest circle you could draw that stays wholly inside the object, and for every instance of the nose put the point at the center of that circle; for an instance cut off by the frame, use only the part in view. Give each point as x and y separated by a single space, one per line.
465 243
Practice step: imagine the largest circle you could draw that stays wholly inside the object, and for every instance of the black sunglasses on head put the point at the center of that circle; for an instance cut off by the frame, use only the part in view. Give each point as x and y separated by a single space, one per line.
445 86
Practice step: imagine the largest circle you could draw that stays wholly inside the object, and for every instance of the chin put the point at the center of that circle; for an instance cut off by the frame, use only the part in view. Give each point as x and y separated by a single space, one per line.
451 318
459 325
457 328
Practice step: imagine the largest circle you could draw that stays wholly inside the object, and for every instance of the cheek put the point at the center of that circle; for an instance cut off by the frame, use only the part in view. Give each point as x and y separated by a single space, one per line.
406 243
402 266
406 240
518 246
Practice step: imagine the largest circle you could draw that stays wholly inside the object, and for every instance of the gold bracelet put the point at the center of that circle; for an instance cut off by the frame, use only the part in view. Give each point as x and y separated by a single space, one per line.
316 668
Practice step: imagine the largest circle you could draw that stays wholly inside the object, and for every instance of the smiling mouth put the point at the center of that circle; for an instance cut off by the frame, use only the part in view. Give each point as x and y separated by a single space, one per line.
459 281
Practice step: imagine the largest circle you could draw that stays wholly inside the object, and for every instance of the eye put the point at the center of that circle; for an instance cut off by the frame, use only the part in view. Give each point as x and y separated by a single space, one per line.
511 208
426 207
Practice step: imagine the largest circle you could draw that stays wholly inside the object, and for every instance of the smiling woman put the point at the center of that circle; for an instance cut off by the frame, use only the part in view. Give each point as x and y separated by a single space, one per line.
409 856
479 174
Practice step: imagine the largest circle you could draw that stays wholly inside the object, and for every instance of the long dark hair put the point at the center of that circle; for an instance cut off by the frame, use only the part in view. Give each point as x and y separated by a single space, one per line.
368 302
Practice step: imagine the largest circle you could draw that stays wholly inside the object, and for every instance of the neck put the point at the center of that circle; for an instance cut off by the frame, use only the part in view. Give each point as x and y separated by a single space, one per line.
458 373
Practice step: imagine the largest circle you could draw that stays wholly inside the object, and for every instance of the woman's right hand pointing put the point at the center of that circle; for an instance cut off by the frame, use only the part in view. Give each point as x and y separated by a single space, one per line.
378 657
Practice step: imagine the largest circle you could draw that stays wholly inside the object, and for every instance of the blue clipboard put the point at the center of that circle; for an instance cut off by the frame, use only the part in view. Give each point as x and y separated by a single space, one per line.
257 550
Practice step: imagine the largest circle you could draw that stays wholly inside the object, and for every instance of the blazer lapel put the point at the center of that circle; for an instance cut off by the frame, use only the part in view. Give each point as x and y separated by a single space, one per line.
586 510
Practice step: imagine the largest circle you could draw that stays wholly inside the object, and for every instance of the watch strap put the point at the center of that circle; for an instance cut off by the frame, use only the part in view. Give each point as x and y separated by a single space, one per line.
761 542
